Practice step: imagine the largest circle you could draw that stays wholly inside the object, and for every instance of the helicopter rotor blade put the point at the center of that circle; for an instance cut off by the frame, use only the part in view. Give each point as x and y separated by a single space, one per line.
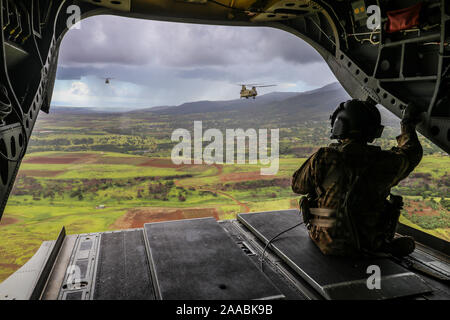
271 85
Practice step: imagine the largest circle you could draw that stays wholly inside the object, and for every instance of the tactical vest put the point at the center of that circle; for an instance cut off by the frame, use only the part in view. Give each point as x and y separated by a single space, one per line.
349 229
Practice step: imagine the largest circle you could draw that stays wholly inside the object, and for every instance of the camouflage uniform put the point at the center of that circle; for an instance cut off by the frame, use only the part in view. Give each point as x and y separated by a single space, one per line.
325 178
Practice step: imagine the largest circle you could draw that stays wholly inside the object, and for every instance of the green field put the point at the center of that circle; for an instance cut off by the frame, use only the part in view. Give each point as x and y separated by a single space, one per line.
90 194
89 177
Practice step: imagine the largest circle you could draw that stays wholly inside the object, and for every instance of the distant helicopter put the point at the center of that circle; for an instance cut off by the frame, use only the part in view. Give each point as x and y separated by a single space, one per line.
251 93
107 80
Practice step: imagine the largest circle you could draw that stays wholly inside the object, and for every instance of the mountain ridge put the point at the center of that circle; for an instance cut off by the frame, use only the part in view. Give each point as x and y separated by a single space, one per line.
284 107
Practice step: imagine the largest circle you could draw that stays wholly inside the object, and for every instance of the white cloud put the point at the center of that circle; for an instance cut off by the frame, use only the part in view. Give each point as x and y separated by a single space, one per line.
79 88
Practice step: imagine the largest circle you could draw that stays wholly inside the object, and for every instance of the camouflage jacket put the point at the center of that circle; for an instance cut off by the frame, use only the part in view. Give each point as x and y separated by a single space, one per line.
325 177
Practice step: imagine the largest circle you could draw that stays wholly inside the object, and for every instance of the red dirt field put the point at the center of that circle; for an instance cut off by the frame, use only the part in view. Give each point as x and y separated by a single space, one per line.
6 221
426 211
160 163
48 160
243 176
167 163
9 266
40 173
62 158
120 160
135 218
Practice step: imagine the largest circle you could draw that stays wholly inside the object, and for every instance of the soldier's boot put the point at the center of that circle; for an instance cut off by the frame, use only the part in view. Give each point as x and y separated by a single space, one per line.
400 247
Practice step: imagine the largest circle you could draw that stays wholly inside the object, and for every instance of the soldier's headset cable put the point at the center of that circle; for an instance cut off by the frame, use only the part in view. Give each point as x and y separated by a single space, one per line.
274 238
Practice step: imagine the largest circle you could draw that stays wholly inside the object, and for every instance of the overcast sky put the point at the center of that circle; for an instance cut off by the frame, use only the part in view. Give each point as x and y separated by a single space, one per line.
162 63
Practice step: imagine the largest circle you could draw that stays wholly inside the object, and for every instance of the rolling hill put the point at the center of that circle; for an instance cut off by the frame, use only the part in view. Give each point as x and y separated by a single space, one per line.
280 108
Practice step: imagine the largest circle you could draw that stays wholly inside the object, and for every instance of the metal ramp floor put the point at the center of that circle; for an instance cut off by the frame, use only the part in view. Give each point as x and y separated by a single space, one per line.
207 259
196 259
333 277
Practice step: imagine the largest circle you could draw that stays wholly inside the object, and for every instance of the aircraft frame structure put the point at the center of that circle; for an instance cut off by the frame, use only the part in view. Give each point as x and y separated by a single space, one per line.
392 69
375 51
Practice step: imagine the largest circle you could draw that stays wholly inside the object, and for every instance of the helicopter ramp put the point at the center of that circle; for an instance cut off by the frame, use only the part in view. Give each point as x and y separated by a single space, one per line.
196 259
123 269
333 277
208 259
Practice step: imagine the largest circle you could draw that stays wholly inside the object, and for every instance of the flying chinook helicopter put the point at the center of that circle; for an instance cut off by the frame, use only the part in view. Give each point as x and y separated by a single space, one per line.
251 93
107 80
406 60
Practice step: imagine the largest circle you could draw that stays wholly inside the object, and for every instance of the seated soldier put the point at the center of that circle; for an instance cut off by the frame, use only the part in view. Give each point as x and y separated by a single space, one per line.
348 207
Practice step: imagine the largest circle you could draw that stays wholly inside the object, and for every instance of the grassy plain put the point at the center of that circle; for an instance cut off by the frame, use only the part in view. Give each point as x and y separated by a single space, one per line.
106 172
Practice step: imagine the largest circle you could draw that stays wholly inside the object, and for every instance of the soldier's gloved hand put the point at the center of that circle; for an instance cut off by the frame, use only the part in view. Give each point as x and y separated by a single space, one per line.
412 114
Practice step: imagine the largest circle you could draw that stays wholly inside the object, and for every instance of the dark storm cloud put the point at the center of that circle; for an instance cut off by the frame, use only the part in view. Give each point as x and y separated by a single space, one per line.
101 40
73 73
115 40
207 73
161 63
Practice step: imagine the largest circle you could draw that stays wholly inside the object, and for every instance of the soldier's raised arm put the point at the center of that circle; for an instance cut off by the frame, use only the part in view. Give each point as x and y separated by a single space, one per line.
409 147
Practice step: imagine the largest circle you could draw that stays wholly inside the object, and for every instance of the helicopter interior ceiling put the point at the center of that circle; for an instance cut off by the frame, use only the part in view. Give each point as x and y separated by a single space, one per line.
393 52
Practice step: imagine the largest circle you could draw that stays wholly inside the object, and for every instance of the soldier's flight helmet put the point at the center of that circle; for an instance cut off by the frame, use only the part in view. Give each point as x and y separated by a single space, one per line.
356 119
